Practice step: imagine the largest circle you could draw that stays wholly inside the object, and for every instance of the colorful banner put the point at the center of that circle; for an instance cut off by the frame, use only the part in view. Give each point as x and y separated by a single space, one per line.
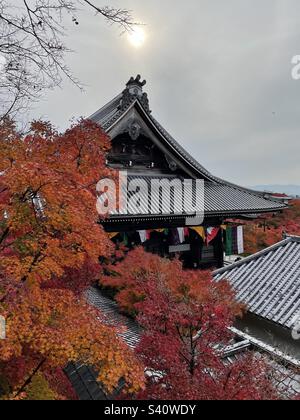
125 239
201 231
240 235
212 233
143 236
113 235
234 240
228 241
234 236
181 235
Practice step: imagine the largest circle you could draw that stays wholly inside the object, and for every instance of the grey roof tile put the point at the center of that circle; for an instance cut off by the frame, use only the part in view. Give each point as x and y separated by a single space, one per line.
218 200
269 282
84 378
109 308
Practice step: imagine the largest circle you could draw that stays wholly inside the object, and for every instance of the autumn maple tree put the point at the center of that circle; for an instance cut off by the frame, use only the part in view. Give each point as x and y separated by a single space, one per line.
270 228
50 244
186 316
186 334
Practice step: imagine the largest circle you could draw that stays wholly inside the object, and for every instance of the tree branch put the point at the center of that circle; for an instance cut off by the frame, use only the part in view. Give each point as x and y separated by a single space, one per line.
31 45
29 379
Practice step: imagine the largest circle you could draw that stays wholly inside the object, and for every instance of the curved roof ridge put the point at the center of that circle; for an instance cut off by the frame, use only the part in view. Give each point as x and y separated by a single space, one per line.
104 108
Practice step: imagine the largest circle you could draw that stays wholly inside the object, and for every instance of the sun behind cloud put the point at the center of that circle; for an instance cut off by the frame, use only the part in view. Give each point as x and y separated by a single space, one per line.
137 37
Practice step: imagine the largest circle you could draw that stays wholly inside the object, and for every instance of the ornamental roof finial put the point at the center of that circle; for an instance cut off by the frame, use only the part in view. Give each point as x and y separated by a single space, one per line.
136 81
134 90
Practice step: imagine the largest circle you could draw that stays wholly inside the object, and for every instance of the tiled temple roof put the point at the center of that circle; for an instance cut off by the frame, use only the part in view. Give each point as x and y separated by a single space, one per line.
223 197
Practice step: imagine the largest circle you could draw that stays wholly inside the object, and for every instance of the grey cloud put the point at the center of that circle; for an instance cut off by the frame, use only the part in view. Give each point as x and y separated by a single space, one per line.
219 79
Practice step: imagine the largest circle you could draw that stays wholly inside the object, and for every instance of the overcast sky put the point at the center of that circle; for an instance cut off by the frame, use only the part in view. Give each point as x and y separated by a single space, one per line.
218 77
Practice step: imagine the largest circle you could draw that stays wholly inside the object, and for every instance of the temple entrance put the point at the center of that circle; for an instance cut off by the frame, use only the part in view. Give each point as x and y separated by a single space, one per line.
183 243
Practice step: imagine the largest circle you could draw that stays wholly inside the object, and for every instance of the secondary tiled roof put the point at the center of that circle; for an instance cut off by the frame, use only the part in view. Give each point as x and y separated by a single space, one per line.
84 382
221 196
269 282
130 330
84 378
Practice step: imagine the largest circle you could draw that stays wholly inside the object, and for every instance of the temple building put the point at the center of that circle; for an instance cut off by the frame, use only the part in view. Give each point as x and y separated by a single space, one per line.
268 282
148 153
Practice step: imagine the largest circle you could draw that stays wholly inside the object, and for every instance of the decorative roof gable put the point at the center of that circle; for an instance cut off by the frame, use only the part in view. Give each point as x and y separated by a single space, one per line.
133 104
